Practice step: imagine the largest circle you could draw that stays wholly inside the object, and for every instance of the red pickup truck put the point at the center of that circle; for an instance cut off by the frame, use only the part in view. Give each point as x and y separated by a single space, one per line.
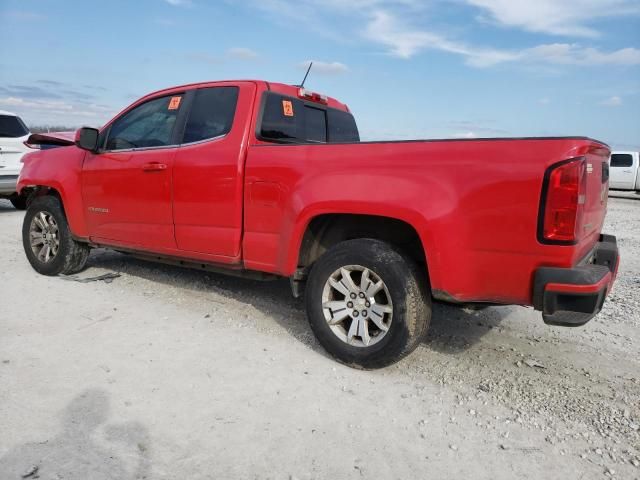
265 179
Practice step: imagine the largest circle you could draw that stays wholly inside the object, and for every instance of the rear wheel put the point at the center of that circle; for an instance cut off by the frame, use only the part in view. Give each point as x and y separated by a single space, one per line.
367 303
47 240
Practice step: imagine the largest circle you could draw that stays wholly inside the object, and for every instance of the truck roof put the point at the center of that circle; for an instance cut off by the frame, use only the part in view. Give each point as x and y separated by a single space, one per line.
282 88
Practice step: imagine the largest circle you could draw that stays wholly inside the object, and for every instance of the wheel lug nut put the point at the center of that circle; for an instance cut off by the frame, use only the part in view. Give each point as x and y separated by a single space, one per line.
364 313
350 304
367 304
355 313
361 295
353 295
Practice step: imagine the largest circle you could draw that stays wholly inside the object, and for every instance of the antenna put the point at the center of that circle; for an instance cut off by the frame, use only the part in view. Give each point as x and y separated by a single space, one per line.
306 75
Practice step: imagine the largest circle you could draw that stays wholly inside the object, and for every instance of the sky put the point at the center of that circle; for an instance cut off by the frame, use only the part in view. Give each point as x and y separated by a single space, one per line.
406 68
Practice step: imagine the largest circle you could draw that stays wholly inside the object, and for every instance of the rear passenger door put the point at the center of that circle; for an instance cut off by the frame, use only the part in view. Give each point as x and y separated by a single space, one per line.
208 171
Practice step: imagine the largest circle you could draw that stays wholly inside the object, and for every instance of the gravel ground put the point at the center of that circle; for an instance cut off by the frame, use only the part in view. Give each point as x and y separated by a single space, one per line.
166 373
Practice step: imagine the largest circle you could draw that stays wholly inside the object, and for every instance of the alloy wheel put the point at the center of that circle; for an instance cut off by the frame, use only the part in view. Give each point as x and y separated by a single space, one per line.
357 305
44 236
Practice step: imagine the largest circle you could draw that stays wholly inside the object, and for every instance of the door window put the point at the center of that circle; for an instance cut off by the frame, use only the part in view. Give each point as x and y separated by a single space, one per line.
147 125
621 160
211 114
282 119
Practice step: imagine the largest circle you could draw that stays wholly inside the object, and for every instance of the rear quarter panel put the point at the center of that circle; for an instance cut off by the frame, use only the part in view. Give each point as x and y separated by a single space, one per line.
474 205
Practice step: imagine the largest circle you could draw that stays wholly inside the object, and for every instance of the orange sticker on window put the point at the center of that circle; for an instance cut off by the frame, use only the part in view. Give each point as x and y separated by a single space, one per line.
174 103
287 108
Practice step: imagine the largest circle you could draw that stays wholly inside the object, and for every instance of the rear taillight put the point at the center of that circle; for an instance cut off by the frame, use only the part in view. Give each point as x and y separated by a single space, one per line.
563 202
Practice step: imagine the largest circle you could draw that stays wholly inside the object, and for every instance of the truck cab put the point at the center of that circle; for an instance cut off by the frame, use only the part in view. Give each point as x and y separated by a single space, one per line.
623 171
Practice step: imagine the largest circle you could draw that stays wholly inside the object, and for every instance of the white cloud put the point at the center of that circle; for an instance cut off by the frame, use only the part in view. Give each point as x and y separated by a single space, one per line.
401 27
38 111
179 3
39 104
573 54
629 147
402 42
465 135
242 53
405 42
558 17
612 102
481 128
324 68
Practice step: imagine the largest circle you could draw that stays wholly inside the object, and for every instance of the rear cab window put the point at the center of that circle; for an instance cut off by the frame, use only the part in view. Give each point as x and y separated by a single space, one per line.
342 126
315 124
291 120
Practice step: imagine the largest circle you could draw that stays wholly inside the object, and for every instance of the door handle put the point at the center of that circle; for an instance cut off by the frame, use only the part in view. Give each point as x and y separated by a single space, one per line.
154 167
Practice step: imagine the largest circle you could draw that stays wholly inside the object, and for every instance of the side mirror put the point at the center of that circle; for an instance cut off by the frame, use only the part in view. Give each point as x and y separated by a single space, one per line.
87 139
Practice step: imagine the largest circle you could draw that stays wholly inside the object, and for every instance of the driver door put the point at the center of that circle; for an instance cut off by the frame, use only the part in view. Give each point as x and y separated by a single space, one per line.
127 185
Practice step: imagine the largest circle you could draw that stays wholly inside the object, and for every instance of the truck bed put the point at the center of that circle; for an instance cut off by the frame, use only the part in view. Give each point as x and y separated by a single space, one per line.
474 203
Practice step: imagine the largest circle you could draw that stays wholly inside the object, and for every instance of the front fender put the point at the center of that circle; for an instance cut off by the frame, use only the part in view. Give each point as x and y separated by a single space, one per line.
59 169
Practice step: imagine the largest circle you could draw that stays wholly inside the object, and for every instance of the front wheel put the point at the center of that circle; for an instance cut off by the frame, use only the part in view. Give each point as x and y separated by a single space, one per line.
367 303
47 240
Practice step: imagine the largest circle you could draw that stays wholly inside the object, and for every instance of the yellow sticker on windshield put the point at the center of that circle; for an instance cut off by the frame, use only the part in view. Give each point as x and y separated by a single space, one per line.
287 108
174 103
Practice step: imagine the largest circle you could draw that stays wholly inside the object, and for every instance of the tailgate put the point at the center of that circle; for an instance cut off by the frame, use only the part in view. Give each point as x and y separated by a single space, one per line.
10 156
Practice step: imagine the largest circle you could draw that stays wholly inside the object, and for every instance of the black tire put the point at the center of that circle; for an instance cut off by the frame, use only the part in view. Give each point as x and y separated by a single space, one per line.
407 286
19 202
71 256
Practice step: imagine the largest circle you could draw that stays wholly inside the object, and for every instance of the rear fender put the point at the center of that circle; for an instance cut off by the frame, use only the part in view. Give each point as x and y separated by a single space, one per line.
289 253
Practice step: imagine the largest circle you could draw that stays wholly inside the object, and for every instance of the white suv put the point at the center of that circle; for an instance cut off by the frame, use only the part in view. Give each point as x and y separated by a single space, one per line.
13 135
